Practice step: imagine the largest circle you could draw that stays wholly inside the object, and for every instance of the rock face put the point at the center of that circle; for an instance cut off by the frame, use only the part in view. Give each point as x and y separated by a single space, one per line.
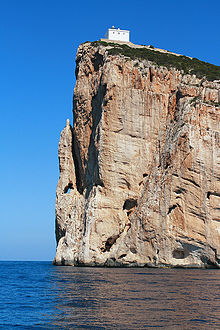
140 169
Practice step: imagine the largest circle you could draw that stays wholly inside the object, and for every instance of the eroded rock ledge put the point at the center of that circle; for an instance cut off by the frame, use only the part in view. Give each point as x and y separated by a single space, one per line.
140 168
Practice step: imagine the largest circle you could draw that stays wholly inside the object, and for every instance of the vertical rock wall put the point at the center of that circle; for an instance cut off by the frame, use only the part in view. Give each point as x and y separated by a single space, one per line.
140 169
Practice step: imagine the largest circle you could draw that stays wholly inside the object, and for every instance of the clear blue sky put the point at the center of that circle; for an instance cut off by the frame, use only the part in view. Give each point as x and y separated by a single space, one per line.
38 43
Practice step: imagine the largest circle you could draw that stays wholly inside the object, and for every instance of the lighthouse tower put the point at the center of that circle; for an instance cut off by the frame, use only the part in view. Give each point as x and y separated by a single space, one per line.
117 34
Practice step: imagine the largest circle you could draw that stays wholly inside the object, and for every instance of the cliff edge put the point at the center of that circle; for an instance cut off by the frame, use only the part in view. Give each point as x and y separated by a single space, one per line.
140 168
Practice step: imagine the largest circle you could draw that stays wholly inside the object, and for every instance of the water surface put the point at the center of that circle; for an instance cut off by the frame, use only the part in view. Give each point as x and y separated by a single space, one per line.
42 296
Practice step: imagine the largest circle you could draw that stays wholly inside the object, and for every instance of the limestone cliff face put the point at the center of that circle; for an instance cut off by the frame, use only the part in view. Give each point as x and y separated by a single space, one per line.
140 169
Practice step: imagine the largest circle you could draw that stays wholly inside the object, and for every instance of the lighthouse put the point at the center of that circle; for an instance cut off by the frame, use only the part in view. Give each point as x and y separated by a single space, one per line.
117 34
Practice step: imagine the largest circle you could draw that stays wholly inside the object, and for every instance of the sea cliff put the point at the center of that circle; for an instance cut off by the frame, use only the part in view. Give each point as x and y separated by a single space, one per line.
140 167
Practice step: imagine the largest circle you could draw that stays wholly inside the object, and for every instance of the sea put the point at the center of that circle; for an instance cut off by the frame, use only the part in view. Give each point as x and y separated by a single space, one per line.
38 295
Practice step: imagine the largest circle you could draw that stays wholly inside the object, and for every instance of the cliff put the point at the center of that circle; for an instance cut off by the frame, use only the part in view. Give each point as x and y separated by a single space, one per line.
140 168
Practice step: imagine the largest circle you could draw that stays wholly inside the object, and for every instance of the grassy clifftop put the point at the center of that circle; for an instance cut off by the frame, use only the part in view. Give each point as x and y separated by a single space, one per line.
192 66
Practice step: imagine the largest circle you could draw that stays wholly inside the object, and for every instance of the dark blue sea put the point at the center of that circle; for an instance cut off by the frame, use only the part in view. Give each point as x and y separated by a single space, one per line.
38 295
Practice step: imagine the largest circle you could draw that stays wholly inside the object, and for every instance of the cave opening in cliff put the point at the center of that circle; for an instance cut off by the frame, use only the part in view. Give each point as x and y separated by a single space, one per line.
108 244
129 204
68 188
171 208
180 254
210 193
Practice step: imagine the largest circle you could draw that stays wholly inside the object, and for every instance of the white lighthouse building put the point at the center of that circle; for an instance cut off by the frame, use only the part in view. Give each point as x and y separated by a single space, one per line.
117 34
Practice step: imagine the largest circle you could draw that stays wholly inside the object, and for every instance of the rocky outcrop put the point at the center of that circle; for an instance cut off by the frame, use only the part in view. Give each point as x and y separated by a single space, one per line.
140 169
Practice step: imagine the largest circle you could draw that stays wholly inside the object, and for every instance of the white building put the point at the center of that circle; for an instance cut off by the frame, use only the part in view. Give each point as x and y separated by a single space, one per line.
117 34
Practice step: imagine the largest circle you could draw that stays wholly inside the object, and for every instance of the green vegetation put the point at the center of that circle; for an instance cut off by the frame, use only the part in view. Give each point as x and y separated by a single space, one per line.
188 65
